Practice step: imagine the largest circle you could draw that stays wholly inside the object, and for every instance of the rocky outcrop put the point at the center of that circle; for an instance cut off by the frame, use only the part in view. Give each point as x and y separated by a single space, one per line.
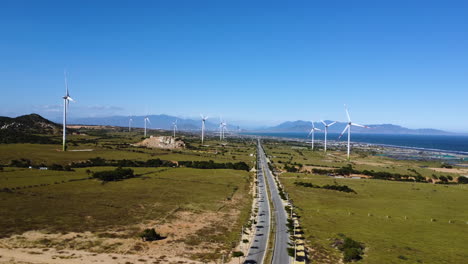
164 142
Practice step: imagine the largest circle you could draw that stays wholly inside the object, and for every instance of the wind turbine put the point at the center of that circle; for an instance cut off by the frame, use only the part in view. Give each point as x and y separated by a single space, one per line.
66 100
225 129
312 132
146 120
221 129
348 127
174 125
130 125
204 118
326 131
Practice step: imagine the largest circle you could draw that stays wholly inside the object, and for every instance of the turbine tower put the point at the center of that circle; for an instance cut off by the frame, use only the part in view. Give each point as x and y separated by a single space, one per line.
174 126
348 127
224 129
130 125
66 100
326 132
146 120
204 118
221 129
312 132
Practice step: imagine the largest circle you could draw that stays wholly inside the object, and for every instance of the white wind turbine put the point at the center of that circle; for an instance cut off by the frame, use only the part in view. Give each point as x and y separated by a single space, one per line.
66 100
174 126
221 129
348 127
224 129
312 132
204 118
326 132
146 120
130 121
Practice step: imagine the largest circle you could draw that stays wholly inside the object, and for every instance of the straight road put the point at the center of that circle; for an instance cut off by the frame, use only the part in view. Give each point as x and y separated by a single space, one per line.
262 227
280 252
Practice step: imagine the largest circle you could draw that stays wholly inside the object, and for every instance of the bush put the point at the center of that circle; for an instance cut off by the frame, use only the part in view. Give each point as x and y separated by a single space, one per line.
22 163
115 175
352 254
463 180
237 254
150 234
352 250
336 187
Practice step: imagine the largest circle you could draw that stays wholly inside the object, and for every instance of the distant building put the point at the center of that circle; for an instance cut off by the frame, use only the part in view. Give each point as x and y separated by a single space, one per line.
43 168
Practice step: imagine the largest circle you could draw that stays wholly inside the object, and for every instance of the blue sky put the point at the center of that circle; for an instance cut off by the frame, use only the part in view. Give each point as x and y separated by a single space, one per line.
253 62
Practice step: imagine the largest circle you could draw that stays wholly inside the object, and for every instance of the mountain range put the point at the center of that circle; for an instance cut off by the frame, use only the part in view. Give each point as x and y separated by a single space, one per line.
36 124
156 122
302 126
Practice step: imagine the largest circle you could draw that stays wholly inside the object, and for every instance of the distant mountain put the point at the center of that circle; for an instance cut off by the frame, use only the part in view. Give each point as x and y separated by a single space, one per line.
303 126
27 129
157 122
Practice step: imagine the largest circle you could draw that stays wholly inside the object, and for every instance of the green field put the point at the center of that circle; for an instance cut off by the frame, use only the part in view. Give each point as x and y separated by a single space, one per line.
60 202
61 205
399 222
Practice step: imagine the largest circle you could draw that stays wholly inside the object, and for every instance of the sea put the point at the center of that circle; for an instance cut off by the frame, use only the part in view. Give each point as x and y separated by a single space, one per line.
457 144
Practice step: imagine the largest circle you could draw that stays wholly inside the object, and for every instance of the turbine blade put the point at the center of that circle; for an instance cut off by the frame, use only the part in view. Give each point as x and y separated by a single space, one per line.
347 113
332 123
70 99
344 130
323 122
354 124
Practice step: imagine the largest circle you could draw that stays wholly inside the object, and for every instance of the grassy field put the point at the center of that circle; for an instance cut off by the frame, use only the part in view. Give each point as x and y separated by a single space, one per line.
113 145
282 153
399 222
89 205
202 210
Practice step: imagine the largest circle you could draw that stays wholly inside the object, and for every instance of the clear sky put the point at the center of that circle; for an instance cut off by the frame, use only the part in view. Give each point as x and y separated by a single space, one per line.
401 61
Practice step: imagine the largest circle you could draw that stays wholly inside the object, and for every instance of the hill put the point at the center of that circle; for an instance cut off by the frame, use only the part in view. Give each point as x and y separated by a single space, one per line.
27 129
301 126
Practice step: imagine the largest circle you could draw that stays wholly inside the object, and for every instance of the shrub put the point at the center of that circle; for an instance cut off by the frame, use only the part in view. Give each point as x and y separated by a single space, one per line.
352 254
150 234
352 250
237 254
463 180
115 175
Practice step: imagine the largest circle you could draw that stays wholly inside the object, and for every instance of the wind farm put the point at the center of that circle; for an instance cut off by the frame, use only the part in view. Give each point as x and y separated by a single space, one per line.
214 132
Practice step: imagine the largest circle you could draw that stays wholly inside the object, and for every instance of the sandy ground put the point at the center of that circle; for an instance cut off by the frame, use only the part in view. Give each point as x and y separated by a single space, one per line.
309 168
41 247
453 170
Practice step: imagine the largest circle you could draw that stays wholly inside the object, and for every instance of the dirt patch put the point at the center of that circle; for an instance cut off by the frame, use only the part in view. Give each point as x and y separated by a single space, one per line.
453 170
187 238
162 142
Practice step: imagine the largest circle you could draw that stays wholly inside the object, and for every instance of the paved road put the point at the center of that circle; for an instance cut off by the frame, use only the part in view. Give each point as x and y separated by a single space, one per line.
280 253
262 228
